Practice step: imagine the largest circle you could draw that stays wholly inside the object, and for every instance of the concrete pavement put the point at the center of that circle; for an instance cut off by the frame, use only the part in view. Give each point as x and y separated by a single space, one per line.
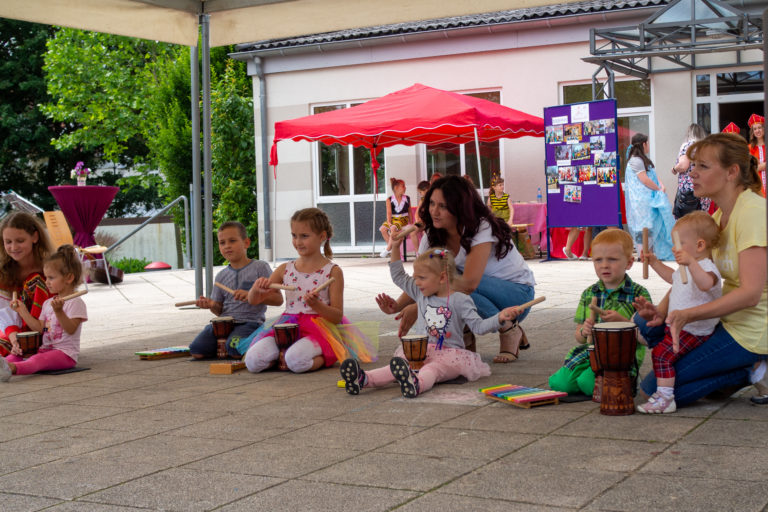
132 435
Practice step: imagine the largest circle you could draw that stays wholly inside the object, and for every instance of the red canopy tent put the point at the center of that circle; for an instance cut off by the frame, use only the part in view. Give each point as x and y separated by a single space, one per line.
415 115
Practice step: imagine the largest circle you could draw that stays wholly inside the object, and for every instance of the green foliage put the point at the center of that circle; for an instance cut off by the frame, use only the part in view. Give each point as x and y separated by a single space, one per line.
130 265
232 153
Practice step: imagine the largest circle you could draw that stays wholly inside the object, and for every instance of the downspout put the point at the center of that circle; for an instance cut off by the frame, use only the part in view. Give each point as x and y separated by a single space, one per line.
266 220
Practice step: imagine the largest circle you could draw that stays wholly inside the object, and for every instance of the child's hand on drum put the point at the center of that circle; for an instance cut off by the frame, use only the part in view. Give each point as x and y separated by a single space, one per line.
204 302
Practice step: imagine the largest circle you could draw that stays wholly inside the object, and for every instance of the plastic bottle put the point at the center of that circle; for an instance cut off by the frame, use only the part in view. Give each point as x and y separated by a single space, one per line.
538 195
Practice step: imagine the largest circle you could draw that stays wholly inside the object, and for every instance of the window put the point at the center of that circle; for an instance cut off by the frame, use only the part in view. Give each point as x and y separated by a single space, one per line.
725 97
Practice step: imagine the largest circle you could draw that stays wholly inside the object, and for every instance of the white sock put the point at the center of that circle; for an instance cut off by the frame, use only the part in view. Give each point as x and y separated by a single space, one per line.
757 374
666 392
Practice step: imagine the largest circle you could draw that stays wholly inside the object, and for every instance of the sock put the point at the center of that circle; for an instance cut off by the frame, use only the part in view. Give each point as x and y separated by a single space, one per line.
666 392
757 374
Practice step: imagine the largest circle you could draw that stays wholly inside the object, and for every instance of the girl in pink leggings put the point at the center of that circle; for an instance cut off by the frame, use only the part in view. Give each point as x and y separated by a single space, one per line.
60 320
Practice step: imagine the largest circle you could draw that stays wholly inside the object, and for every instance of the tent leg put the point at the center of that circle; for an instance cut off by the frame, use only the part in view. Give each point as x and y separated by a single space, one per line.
194 63
204 22
479 165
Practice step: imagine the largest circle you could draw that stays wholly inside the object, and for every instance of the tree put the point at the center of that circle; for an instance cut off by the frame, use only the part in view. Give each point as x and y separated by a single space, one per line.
28 161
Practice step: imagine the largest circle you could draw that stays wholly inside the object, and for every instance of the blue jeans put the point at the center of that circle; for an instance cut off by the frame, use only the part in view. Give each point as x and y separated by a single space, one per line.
494 294
205 343
719 363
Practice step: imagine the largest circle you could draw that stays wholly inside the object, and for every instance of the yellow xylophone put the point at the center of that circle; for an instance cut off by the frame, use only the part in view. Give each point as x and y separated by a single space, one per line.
522 396
163 353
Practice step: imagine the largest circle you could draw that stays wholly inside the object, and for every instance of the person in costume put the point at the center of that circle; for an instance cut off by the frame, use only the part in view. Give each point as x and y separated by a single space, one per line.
317 313
60 321
25 247
615 292
647 204
443 313
734 356
398 215
757 144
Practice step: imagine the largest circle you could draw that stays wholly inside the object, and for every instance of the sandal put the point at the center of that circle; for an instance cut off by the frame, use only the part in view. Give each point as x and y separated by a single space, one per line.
509 340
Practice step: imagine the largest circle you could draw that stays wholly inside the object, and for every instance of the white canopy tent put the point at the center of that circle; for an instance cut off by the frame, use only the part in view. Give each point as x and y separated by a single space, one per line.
224 22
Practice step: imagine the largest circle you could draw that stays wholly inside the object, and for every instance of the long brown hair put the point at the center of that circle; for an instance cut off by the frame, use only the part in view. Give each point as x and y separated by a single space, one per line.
636 149
66 261
9 268
730 149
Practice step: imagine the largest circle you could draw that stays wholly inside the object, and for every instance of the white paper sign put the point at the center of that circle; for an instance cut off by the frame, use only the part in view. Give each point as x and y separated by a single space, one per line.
580 113
560 120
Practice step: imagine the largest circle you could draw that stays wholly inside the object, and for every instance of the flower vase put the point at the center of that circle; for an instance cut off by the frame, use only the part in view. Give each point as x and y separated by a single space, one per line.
81 181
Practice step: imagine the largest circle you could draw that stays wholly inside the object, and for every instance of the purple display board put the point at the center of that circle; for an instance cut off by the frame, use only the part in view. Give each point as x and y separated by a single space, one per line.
582 164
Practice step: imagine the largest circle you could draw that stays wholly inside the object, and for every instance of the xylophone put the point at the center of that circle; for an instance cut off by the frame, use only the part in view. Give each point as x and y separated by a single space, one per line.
522 396
226 367
163 353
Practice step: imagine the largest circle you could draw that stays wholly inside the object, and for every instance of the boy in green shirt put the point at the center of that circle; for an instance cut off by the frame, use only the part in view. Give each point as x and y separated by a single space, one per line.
615 292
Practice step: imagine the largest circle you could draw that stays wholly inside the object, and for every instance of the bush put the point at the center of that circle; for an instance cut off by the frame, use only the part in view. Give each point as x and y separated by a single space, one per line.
130 265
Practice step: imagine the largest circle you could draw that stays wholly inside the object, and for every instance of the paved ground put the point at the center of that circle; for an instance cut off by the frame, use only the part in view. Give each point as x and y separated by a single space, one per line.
166 435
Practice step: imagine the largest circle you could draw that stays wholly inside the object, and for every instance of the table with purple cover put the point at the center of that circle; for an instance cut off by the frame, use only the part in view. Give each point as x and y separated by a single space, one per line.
536 214
84 208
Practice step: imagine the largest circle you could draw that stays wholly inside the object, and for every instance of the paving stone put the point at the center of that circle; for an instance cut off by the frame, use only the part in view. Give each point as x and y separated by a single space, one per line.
69 441
16 460
66 415
731 433
184 490
63 394
414 413
455 503
151 420
355 436
18 503
640 427
508 418
84 506
708 461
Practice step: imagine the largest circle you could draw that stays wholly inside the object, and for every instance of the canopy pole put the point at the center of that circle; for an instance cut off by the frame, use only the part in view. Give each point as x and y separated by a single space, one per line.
196 233
207 230
374 169
479 165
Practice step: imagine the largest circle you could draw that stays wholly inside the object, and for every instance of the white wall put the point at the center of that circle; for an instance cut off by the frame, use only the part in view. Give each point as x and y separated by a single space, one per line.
154 242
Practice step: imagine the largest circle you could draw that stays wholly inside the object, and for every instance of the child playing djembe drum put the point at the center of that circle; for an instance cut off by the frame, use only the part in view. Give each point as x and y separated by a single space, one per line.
239 276
315 303
444 314
60 321
615 293
698 234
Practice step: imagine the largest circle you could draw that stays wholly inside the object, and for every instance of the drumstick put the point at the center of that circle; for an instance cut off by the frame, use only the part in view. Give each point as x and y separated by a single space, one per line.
683 272
596 310
76 294
225 288
593 310
15 296
533 302
645 252
186 303
324 285
277 286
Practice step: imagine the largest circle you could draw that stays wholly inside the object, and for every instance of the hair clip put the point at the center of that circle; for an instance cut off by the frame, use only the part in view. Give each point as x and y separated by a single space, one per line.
438 252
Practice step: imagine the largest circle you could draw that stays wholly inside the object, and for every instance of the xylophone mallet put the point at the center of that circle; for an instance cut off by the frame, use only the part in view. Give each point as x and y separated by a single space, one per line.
678 246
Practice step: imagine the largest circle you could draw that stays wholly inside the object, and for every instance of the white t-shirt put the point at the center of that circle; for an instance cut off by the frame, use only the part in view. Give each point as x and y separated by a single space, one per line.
55 336
683 296
511 268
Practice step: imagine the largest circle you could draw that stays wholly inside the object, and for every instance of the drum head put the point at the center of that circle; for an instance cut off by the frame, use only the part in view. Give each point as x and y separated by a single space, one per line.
613 326
414 337
224 319
285 326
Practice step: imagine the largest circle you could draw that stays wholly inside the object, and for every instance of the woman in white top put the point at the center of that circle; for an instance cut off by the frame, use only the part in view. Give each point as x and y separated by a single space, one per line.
494 273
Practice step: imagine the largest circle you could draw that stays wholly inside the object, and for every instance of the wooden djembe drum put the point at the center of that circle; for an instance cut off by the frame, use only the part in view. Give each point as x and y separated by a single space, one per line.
222 327
285 336
415 350
615 345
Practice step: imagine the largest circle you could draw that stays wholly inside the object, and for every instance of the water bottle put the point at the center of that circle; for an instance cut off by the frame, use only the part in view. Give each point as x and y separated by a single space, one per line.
538 195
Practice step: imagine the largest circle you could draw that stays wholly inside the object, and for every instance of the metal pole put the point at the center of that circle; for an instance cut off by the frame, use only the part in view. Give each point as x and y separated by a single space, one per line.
265 207
208 234
197 261
479 166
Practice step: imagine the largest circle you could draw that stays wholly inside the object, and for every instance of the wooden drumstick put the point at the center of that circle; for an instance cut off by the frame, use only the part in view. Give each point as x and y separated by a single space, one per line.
324 285
533 302
645 251
76 294
593 310
277 286
15 296
225 288
596 309
186 303
683 271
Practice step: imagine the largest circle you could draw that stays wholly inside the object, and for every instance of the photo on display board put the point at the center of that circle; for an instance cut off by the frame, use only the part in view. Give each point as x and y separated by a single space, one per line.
554 134
552 179
572 133
592 128
607 126
606 175
587 175
566 174
597 143
563 153
581 151
572 194
605 159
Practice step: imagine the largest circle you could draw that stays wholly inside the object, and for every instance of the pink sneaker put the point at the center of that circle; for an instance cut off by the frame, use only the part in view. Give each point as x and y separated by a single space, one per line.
658 404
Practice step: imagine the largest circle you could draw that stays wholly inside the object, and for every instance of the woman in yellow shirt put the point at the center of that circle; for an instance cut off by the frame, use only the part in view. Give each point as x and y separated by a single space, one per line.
735 354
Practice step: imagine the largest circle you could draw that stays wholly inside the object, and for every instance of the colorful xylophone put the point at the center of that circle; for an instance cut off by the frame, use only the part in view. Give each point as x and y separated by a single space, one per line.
163 353
522 396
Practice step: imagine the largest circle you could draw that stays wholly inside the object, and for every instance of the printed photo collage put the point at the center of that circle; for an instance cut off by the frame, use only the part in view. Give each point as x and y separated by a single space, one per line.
580 156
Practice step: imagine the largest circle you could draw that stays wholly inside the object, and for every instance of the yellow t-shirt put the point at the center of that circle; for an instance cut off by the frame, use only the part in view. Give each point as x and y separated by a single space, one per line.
745 229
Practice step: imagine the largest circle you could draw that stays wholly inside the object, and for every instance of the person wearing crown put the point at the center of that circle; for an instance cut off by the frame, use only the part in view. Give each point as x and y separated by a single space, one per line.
757 144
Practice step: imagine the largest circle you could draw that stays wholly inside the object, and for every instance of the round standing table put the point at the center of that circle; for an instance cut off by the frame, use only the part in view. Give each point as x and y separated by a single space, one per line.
84 208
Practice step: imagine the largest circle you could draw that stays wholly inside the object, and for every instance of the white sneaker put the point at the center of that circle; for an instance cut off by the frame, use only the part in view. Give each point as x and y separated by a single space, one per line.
5 370
384 253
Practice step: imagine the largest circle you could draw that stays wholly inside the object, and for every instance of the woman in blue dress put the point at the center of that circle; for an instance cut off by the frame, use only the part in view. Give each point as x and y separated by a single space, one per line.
647 204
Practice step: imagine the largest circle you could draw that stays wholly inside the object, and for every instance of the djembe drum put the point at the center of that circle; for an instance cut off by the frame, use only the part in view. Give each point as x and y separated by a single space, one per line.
222 327
285 336
615 346
29 342
415 350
